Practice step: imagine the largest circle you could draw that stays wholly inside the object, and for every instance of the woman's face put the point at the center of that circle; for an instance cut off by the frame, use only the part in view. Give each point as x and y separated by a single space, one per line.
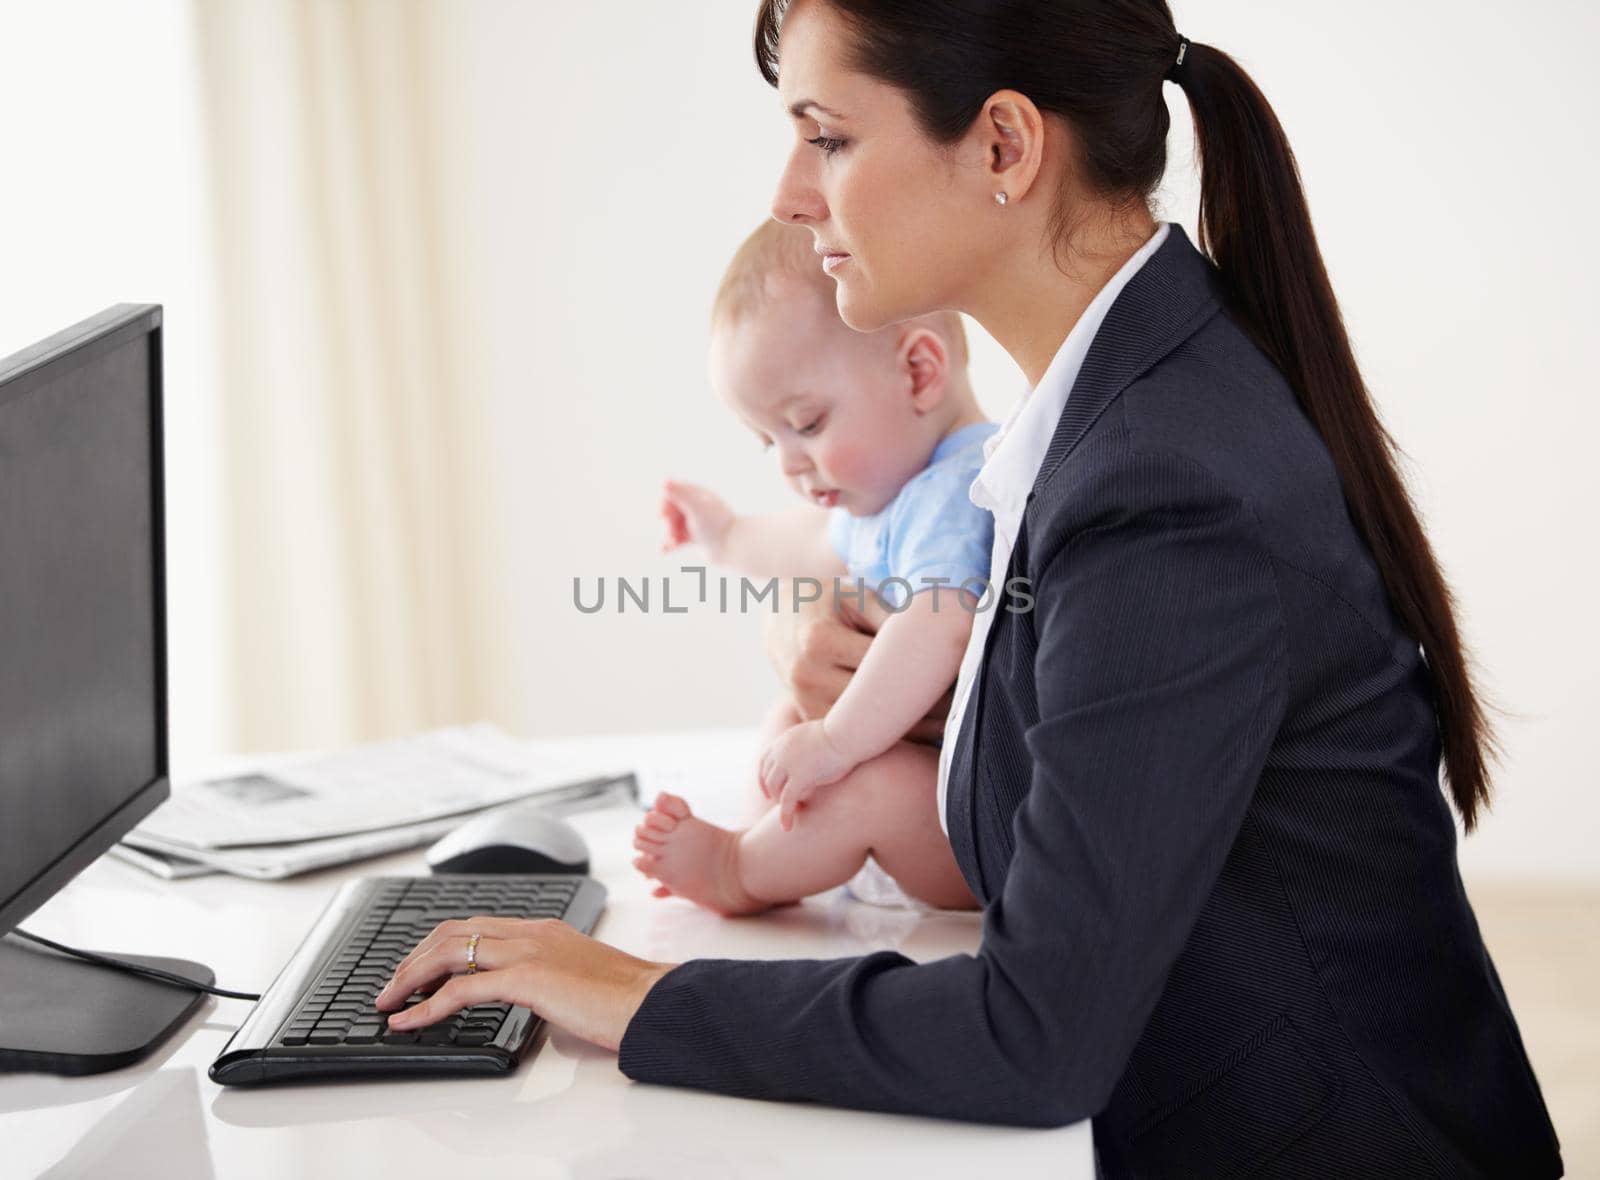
900 220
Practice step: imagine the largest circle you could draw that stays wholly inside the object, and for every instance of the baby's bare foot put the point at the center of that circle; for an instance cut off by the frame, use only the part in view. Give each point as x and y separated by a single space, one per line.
692 858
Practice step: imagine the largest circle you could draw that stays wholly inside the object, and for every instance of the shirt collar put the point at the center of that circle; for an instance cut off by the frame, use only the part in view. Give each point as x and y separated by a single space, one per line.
1013 453
959 440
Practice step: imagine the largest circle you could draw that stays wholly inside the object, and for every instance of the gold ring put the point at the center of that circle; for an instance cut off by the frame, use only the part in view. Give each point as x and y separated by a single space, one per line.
472 953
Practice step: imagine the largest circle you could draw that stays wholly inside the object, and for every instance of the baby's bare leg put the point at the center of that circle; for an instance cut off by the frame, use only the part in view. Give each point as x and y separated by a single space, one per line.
885 807
782 716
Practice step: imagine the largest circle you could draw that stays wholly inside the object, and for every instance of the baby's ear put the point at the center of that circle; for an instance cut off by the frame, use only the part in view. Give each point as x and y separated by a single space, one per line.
925 363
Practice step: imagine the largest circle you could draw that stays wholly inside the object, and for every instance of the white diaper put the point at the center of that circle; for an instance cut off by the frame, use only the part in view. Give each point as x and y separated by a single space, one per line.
876 887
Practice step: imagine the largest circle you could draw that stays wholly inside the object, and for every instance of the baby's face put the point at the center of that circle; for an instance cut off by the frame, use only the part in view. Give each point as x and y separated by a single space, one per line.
833 405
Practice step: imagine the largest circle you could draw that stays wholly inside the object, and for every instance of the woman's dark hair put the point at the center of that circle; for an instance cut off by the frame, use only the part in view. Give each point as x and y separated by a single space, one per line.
1100 64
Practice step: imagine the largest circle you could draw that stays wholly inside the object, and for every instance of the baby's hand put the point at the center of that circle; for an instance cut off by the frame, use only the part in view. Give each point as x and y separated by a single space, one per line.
800 760
694 514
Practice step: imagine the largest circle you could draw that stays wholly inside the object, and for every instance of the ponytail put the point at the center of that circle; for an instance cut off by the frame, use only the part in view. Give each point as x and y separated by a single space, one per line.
1256 227
1100 65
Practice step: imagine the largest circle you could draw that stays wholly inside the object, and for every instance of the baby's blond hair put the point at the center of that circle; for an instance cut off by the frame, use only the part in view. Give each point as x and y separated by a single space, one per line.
779 260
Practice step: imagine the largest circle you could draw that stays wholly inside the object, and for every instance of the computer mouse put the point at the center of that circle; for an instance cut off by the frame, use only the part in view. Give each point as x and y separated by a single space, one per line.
511 840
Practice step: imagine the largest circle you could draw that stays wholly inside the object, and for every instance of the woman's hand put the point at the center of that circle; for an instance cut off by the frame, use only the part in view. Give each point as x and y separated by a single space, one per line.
586 987
696 514
817 647
799 760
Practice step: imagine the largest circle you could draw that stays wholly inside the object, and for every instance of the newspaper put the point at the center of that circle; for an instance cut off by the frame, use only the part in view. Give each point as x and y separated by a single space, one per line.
273 862
386 785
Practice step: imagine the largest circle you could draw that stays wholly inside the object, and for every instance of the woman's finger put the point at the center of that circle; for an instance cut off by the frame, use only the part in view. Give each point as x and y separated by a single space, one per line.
831 643
447 957
484 924
851 650
481 923
590 989
462 991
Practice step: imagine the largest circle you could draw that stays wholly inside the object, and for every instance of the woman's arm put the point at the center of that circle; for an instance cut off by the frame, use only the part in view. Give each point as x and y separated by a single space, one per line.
1160 687
1159 683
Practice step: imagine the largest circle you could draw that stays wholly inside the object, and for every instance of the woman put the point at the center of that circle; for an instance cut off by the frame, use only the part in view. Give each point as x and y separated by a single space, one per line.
1193 762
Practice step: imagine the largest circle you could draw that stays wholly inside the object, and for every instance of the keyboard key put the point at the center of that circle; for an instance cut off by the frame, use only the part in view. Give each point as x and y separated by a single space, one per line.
339 1007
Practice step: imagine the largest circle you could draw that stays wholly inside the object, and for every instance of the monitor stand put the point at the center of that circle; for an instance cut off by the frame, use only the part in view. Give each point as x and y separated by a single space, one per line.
67 1016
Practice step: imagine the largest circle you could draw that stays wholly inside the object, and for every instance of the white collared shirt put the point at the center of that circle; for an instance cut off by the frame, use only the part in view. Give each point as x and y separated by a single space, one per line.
1012 457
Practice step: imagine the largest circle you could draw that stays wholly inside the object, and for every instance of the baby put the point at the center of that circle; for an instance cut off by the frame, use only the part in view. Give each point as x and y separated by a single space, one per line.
881 434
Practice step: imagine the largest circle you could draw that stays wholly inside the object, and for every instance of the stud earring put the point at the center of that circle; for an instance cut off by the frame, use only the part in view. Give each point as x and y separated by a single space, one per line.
1000 198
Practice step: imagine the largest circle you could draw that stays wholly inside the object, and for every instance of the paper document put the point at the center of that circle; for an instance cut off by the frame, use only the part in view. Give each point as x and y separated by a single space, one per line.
159 864
273 862
366 789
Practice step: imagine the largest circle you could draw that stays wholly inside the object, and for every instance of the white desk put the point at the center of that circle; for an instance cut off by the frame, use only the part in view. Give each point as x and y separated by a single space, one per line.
566 1113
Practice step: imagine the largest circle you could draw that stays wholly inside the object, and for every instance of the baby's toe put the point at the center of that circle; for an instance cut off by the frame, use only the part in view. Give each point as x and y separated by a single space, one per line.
672 806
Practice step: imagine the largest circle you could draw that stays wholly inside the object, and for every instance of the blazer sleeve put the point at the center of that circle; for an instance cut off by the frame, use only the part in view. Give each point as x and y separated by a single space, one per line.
1159 673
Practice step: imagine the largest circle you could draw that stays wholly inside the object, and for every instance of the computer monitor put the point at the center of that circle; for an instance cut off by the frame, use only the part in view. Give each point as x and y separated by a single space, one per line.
83 669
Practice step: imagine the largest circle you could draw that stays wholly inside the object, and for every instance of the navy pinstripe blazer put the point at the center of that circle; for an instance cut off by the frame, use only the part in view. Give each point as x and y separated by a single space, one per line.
1197 792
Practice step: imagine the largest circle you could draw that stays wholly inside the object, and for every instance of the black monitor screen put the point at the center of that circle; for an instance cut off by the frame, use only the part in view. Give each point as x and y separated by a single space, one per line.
82 672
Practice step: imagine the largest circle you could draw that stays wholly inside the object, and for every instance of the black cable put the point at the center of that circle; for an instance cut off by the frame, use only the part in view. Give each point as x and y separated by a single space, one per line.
155 973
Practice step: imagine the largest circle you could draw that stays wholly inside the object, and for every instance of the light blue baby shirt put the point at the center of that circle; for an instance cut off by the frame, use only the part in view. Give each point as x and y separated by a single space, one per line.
931 529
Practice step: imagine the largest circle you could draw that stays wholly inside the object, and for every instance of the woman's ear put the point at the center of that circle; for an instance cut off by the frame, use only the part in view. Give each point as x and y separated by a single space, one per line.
923 359
1011 135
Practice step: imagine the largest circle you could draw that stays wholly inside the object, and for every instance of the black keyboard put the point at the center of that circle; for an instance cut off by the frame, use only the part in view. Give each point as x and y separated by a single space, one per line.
317 1019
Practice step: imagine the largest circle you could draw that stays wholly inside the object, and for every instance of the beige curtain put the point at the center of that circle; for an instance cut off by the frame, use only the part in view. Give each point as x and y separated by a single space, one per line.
348 416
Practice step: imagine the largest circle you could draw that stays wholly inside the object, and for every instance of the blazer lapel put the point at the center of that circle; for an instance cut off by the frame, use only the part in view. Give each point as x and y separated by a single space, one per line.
1173 293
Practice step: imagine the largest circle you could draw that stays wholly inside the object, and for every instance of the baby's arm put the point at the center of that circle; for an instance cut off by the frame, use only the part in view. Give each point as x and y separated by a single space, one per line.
771 545
910 664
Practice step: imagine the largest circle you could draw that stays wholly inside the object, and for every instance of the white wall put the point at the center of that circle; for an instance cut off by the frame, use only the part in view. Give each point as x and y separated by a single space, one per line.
102 201
621 153
1446 149
608 157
